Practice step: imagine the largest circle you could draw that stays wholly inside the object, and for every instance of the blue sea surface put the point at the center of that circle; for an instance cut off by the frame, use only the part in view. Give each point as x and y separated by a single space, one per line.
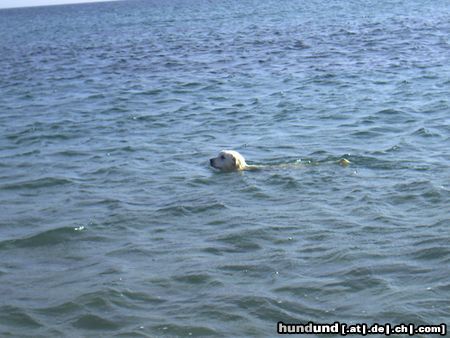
112 222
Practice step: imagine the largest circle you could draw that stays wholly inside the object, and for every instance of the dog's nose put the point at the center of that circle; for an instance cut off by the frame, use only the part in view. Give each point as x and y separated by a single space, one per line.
211 161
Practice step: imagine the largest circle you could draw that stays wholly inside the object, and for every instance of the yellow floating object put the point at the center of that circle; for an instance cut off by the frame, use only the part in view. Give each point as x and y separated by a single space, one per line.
344 162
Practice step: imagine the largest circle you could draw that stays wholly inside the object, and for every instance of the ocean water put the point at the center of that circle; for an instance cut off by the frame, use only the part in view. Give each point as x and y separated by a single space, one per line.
112 223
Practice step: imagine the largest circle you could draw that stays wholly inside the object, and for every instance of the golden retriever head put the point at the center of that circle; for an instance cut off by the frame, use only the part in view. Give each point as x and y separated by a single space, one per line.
228 160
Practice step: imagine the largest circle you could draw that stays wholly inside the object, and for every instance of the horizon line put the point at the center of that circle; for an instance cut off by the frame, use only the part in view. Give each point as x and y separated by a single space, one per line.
65 3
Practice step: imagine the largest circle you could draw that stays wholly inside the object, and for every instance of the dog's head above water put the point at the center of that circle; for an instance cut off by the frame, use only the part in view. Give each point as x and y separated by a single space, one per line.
228 160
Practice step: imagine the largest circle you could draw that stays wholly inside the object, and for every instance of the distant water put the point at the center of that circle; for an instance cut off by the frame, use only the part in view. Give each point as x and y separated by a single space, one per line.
112 222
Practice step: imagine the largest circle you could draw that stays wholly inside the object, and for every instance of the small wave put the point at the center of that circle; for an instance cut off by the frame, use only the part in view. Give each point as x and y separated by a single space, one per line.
174 330
361 278
44 238
199 181
299 44
107 171
389 112
437 252
367 134
94 322
37 183
423 132
34 137
247 269
287 182
71 153
424 190
96 96
255 192
240 242
190 209
136 297
194 279
151 92
190 84
17 317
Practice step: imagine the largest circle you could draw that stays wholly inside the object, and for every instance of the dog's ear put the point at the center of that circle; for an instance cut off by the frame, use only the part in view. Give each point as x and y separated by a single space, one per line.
234 160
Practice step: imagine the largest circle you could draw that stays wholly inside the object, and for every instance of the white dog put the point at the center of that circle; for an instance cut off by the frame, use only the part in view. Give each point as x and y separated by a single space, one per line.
230 160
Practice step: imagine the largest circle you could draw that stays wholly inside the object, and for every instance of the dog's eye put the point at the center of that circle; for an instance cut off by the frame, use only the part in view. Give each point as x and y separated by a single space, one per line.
222 157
